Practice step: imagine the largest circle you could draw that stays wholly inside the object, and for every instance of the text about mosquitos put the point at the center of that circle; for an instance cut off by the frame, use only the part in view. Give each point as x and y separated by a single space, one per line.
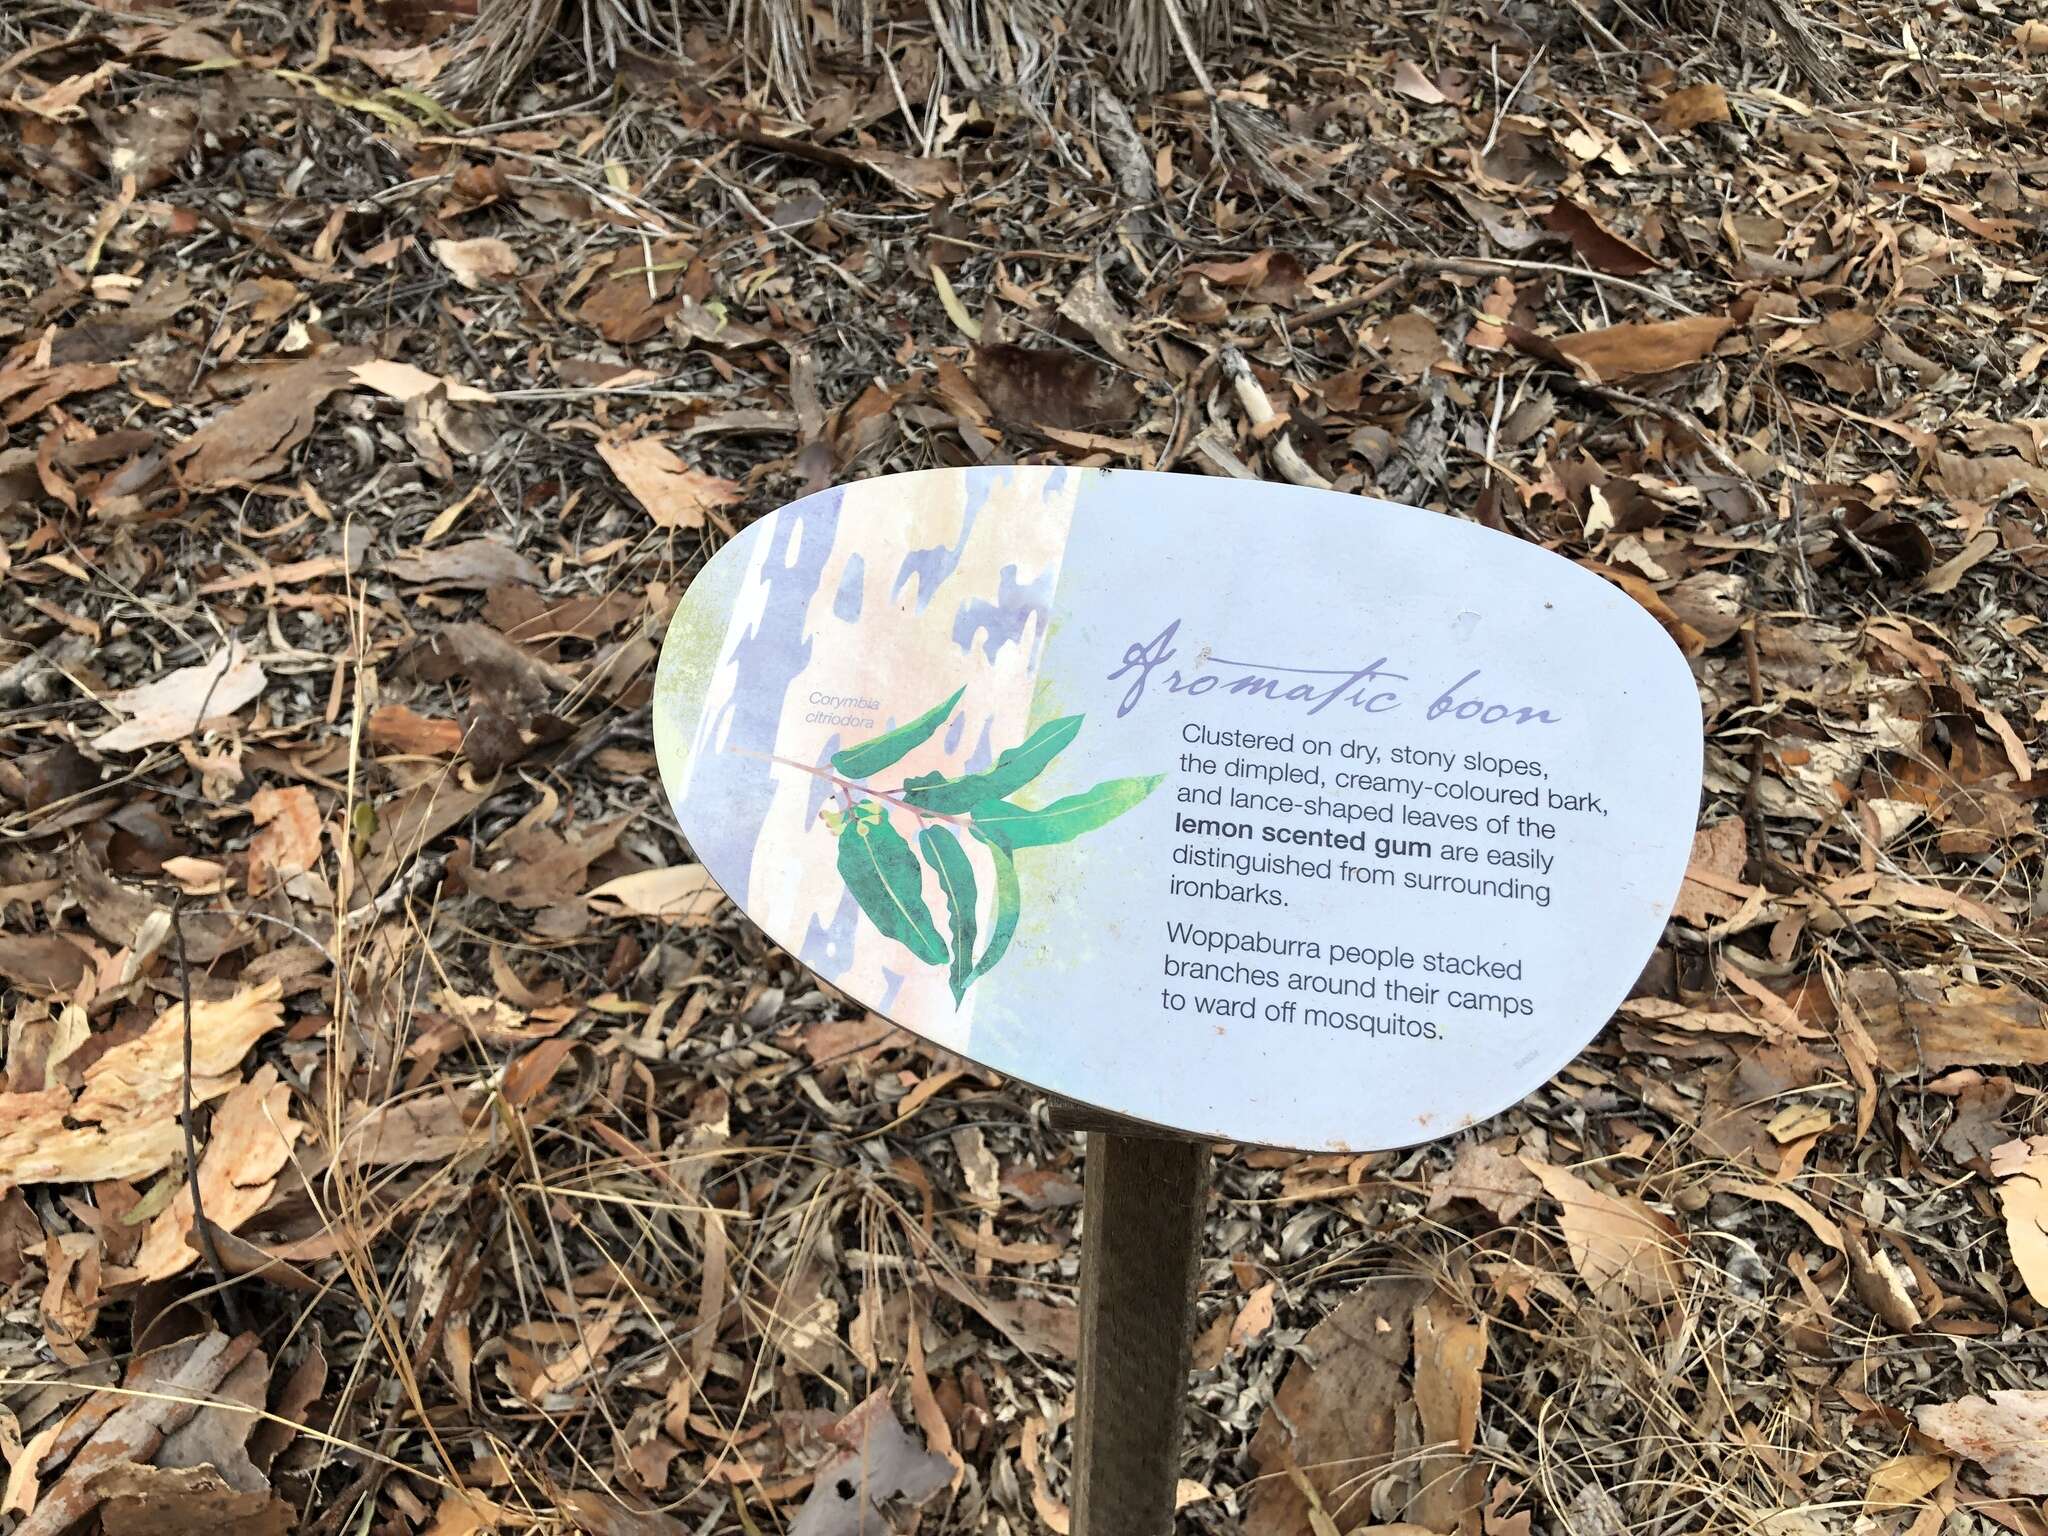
1336 983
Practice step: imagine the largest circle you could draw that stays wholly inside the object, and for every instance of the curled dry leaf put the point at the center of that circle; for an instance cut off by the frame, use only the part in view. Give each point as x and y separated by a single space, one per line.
173 707
473 263
123 1123
1600 246
2021 1167
1450 1355
1253 1318
1270 277
674 494
2005 1433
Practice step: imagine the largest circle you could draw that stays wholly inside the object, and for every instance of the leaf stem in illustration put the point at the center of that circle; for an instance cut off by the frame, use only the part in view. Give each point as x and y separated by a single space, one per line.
849 787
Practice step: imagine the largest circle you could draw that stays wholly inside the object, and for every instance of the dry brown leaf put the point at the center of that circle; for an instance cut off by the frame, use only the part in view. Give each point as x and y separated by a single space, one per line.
1253 1318
61 100
173 707
253 1134
2021 1167
1412 344
683 893
472 563
1621 1248
288 842
1696 104
1450 1355
1713 887
533 865
123 1124
402 381
415 66
473 263
2006 1434
1683 635
1411 82
1490 1175
1988 477
1906 1480
406 730
43 962
674 494
253 441
1047 387
39 388
430 1129
1644 347
1943 577
1270 277
186 1501
1333 1418
1930 1027
131 1434
469 1514
1600 246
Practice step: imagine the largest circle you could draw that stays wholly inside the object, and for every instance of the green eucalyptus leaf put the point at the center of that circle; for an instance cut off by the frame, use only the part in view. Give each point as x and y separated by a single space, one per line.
1009 908
872 756
888 882
1010 772
1018 826
942 851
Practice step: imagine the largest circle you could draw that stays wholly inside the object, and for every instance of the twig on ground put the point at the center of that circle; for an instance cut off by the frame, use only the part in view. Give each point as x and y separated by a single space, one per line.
1286 457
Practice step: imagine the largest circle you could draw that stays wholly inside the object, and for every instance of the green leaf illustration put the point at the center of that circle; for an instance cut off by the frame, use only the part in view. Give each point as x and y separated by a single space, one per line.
1009 908
887 881
1021 827
1011 772
867 757
942 850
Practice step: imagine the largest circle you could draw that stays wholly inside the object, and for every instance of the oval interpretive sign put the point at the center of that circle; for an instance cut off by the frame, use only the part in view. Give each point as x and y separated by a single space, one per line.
1266 814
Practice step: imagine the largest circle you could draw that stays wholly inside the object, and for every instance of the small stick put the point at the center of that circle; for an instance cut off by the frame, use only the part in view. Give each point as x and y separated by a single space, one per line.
1479 266
199 1221
1286 458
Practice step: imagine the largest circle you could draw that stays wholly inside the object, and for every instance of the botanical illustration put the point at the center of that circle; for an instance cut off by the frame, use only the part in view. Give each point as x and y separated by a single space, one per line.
886 877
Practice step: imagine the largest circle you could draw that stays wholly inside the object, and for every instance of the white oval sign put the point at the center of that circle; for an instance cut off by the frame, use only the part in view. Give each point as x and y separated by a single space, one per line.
1267 814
